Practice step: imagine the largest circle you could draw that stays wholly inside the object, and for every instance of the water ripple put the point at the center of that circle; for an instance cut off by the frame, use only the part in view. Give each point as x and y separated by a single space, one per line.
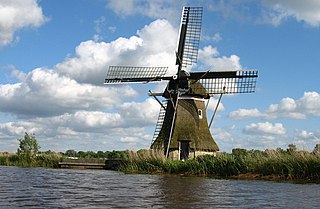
49 188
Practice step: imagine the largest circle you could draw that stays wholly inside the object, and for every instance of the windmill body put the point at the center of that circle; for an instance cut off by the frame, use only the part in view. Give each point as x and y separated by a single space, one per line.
190 135
182 130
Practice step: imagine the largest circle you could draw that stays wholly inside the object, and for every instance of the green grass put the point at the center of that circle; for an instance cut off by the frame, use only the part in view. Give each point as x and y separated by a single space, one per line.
44 160
279 164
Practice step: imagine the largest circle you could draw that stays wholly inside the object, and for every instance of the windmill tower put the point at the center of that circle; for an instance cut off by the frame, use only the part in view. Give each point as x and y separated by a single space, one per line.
182 130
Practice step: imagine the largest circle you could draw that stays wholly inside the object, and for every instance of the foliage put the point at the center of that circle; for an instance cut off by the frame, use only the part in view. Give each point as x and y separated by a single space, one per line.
28 146
28 155
282 164
276 163
50 160
113 155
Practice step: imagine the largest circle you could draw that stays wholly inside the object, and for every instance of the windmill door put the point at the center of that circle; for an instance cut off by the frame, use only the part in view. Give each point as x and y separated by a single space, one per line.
184 150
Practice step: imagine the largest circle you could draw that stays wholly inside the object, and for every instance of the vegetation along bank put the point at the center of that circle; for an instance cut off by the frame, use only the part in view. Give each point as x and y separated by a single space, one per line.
279 164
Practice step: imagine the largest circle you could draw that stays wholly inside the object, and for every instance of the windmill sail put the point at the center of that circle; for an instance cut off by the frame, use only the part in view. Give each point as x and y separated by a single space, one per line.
182 129
190 29
128 74
226 82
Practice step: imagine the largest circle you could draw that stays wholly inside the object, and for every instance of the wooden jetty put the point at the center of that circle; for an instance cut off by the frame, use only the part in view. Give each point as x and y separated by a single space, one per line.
79 165
107 164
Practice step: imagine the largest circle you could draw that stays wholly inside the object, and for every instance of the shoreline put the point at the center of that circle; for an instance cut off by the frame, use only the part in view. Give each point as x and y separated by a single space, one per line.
270 165
246 176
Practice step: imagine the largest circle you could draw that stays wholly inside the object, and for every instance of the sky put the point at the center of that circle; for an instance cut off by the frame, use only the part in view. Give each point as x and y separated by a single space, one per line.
54 56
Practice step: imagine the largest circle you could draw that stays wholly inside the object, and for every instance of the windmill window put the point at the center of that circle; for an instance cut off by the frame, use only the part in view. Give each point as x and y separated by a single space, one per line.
200 113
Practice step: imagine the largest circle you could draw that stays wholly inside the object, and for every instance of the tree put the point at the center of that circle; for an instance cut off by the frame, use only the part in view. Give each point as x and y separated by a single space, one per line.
292 148
28 146
316 149
71 153
100 154
239 152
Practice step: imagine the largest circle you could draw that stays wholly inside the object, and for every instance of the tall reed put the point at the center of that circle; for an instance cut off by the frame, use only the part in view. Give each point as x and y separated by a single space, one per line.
50 160
284 165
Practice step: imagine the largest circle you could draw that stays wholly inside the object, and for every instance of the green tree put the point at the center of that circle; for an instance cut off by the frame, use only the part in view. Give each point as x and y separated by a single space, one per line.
316 149
100 154
28 146
292 148
239 152
71 153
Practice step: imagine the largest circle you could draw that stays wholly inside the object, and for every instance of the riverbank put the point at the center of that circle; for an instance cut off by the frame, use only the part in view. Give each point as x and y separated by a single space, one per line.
48 160
264 165
250 165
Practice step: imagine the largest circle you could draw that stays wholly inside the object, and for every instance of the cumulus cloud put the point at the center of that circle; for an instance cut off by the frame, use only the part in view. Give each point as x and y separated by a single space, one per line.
246 113
140 113
216 37
268 11
98 130
18 14
152 46
265 128
210 56
155 9
69 101
213 103
304 134
45 93
306 11
307 105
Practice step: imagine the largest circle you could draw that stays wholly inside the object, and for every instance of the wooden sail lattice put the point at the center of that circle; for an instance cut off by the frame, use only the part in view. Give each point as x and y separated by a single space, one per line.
178 119
160 120
242 82
192 17
129 74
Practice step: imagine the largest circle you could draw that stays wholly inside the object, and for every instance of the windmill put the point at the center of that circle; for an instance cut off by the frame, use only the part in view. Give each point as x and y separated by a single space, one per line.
182 129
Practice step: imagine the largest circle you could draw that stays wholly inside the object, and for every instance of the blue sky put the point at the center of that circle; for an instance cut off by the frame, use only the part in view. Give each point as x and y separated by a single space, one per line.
54 56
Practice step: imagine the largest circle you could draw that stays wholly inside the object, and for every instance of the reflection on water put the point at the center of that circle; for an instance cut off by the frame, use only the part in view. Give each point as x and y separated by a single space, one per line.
49 188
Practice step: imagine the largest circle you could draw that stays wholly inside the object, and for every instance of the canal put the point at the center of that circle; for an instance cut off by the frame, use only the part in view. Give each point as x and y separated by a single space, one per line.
62 188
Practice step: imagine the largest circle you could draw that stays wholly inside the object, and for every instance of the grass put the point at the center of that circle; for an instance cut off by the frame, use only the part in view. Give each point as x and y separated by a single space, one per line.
257 164
50 160
269 164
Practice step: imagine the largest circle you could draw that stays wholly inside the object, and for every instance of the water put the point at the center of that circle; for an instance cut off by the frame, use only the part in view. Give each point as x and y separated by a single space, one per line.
49 188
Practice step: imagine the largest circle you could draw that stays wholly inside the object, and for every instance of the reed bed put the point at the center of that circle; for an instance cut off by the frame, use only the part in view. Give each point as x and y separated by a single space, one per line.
45 160
258 164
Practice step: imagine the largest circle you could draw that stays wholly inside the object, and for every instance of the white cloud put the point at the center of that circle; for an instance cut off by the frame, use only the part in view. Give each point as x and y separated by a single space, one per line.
66 124
307 11
310 103
64 103
304 134
265 128
307 105
122 7
98 130
237 10
213 103
155 9
311 138
306 140
45 93
99 24
216 37
246 113
210 57
142 114
153 46
17 14
229 138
